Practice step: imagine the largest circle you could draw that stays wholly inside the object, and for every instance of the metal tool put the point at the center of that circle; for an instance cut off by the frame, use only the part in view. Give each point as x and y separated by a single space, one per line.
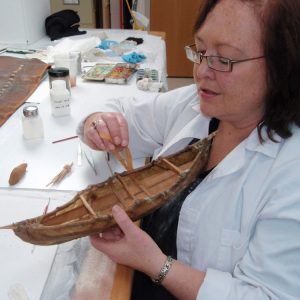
79 155
90 162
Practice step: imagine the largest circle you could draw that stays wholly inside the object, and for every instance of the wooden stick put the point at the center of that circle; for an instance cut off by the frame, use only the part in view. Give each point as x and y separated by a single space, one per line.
65 139
172 167
87 206
128 159
127 162
120 159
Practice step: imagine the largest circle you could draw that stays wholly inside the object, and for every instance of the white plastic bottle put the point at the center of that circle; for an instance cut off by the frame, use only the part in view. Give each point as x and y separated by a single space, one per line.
32 123
60 99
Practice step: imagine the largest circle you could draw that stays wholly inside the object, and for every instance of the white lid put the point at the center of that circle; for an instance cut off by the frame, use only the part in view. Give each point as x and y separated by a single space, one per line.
59 84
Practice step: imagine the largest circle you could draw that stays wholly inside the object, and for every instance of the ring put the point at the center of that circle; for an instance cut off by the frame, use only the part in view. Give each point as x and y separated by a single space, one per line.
95 124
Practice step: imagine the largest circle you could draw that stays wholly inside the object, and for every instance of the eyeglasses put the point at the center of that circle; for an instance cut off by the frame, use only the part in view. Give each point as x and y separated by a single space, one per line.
217 63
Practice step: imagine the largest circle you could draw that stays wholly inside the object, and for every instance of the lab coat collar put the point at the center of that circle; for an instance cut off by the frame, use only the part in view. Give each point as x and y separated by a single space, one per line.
237 158
268 147
196 128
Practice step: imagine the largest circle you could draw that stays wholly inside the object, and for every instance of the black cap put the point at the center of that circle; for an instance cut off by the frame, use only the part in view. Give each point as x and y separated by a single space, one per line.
58 72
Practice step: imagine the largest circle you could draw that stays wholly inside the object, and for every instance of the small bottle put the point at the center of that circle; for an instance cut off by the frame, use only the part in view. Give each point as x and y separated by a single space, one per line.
32 123
60 98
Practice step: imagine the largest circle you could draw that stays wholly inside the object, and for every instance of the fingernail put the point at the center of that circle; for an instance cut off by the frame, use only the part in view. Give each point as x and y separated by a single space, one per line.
117 140
124 143
116 208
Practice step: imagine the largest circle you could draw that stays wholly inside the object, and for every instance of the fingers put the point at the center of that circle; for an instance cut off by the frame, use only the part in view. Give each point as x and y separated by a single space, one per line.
124 222
113 234
103 135
123 142
116 127
106 131
128 244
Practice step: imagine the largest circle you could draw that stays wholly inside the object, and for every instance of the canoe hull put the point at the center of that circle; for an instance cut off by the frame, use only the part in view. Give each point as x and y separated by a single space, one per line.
139 191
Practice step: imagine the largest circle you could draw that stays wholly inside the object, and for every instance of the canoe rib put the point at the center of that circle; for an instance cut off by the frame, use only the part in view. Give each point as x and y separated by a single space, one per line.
140 186
139 192
87 206
125 187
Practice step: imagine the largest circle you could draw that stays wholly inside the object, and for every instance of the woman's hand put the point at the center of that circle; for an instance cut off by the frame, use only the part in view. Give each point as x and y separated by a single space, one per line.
129 245
106 131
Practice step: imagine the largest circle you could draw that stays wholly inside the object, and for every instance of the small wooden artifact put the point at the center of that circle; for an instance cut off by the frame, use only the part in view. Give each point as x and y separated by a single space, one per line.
139 191
17 173
61 175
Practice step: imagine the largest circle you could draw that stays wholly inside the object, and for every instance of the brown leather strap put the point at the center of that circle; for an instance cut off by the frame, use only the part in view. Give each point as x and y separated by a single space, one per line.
18 80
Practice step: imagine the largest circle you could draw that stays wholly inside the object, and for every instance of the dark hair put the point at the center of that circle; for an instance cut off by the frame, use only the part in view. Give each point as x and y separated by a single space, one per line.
280 21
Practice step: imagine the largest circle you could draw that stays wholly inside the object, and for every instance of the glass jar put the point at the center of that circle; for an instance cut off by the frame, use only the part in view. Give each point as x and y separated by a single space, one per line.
32 123
59 73
60 99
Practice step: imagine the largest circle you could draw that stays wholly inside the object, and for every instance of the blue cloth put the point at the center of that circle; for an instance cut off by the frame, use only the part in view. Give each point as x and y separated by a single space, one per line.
105 44
133 57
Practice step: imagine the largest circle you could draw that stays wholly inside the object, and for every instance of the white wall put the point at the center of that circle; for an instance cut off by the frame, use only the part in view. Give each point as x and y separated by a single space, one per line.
23 21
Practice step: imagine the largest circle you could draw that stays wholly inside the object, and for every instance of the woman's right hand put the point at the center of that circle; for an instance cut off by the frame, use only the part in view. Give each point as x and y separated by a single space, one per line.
105 131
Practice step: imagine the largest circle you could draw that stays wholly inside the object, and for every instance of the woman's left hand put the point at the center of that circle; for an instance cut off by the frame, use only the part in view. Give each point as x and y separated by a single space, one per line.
129 245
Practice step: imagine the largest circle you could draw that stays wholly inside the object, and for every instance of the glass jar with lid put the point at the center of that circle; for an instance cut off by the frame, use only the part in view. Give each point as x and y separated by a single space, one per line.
60 98
59 73
32 123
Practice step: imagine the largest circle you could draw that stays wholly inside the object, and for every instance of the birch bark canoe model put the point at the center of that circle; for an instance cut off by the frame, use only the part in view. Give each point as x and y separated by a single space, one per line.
139 191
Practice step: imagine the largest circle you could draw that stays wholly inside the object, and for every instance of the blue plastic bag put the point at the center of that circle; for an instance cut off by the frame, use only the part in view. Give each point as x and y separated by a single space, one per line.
133 57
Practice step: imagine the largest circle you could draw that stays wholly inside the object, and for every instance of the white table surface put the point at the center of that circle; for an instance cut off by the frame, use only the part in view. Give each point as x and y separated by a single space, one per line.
20 262
45 159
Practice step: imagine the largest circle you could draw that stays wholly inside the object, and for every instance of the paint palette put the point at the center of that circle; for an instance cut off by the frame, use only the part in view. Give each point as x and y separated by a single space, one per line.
98 72
111 73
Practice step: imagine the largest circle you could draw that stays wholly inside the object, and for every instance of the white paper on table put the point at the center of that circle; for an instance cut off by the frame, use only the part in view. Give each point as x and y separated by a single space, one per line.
23 263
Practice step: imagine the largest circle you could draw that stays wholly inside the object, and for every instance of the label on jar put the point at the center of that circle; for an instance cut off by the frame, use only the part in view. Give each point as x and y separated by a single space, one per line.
60 104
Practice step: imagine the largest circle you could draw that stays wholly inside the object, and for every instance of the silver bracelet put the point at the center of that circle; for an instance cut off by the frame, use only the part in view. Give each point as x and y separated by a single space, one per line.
164 270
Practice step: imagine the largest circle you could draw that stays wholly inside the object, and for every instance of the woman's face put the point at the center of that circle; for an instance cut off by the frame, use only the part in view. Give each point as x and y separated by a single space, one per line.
232 30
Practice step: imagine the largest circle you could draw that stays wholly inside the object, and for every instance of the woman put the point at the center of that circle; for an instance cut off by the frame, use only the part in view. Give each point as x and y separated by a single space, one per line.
238 234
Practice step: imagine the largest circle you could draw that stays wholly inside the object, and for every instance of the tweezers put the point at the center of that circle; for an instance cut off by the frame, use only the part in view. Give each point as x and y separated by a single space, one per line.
91 163
79 154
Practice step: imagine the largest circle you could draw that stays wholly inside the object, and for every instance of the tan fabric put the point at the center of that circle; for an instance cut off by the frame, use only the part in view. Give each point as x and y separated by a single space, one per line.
18 80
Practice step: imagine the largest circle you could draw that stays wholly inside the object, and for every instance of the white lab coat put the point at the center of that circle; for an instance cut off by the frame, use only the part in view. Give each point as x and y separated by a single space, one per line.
241 225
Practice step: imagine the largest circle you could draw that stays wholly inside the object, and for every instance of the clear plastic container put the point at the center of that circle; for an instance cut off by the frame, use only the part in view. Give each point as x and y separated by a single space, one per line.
32 123
77 54
70 62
